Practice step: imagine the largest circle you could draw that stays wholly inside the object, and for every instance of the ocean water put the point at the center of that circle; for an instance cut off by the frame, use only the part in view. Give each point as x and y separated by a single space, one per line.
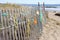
46 5
52 9
55 7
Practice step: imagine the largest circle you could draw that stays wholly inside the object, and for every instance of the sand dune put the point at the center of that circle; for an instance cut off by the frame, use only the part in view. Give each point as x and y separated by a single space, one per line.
51 31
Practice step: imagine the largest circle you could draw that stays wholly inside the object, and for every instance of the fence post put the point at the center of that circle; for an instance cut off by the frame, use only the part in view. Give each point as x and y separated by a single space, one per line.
44 13
39 22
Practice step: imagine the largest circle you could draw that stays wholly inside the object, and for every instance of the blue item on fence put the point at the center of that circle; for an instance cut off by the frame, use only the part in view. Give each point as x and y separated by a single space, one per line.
41 16
4 14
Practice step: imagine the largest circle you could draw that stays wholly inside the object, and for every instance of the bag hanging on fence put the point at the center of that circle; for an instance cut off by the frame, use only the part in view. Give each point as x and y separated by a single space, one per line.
41 16
35 21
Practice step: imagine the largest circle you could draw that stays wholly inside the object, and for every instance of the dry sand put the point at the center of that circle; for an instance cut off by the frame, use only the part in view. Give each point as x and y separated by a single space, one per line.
51 31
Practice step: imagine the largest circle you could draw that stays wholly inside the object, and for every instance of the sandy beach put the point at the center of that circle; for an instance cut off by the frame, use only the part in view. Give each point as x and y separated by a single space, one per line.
51 30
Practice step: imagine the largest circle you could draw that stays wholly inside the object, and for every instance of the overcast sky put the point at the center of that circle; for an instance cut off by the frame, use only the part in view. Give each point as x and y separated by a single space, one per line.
31 1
